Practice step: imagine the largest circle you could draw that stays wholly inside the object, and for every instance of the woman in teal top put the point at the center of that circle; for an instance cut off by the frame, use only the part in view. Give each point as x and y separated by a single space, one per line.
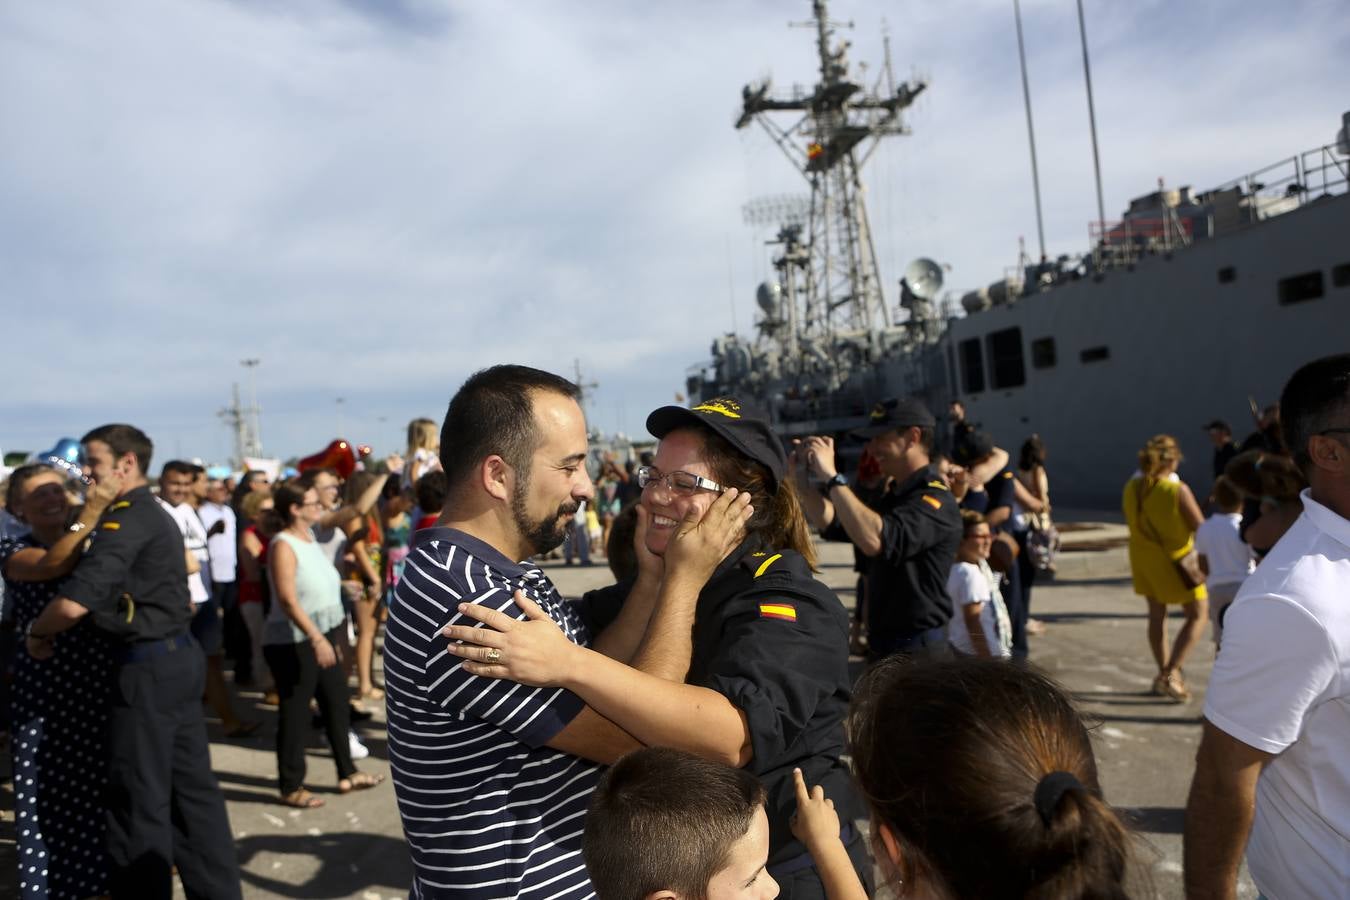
306 621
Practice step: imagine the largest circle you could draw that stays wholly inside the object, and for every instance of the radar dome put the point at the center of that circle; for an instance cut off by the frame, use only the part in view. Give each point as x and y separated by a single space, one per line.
769 296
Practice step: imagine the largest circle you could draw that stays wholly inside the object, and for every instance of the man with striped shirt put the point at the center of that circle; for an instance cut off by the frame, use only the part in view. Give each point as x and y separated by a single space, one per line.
493 778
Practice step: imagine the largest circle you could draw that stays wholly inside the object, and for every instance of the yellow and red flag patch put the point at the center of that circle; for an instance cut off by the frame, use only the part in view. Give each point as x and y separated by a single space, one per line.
932 501
778 611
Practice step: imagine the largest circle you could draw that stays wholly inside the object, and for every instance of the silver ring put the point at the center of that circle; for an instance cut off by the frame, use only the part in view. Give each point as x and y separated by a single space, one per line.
493 655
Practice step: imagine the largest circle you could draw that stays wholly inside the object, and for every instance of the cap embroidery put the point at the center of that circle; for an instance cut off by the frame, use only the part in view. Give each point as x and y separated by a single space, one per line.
722 406
785 611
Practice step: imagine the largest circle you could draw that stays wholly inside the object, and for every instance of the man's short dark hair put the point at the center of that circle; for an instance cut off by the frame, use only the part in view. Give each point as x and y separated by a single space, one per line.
663 819
124 439
1316 398
179 467
493 414
431 489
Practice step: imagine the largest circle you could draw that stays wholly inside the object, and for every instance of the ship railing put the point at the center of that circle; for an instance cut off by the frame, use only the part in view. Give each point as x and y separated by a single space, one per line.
1301 178
1122 243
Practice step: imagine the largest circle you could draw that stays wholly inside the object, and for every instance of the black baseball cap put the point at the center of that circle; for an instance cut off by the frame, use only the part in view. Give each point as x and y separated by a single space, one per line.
894 414
1219 424
972 447
744 427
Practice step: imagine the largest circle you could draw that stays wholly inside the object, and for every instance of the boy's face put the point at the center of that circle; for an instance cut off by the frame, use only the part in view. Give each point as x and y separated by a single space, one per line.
745 877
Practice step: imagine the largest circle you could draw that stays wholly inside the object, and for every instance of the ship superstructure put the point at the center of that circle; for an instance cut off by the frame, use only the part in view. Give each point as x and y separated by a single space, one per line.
1191 306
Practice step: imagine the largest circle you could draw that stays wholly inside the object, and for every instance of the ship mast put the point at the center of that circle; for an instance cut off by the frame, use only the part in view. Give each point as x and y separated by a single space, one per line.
838 125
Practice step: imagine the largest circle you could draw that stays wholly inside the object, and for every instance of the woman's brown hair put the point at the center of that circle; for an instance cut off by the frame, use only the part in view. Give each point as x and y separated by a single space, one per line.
1258 474
954 758
778 519
284 496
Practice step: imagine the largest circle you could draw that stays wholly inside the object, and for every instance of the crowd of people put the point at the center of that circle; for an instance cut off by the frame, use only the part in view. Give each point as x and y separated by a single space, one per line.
693 730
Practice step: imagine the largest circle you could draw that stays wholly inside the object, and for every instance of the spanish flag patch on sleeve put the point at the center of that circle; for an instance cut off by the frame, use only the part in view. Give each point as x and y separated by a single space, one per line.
932 501
778 611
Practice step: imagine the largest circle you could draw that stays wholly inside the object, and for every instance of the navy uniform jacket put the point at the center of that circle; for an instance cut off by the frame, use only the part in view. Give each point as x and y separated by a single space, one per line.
920 533
774 641
133 577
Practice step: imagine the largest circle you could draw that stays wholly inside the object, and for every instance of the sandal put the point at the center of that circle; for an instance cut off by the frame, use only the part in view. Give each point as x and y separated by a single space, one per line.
302 799
372 694
1175 687
1159 688
358 781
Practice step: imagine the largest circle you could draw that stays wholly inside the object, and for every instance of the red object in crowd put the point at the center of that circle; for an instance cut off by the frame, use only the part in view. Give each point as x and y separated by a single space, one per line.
427 521
337 456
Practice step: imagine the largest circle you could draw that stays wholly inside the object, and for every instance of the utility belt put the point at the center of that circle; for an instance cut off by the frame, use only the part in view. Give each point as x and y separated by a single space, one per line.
144 651
803 860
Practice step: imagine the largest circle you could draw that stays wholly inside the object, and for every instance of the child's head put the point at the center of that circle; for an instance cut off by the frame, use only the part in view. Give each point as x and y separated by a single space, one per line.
431 489
422 435
976 538
1225 496
667 824
982 783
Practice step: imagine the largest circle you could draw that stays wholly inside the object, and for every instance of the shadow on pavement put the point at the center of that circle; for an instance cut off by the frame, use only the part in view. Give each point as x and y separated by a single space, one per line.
1053 618
349 863
1155 819
1191 721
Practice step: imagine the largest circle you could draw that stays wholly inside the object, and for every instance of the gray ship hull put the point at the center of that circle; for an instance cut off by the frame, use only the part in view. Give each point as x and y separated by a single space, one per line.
1180 340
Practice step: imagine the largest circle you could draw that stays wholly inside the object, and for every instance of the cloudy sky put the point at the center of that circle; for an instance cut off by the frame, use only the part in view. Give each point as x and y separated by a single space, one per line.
377 197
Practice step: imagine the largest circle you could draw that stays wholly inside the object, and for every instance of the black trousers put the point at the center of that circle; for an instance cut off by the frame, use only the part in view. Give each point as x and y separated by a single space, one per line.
298 678
164 805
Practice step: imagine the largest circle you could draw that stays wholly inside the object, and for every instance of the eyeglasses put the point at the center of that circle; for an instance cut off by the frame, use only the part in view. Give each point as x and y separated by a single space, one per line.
684 483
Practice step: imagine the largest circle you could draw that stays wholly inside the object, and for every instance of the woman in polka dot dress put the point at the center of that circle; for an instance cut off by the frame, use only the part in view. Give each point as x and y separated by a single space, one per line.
59 706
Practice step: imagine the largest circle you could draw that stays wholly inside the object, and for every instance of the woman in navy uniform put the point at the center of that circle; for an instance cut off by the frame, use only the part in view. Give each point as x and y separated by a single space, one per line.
164 807
765 675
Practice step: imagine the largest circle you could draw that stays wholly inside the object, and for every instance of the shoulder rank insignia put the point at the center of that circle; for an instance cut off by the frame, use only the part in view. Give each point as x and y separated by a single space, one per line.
1007 473
938 485
932 501
778 610
764 566
110 526
120 504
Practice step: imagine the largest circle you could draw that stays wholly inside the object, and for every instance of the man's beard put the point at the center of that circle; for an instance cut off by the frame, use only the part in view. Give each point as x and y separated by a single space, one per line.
544 534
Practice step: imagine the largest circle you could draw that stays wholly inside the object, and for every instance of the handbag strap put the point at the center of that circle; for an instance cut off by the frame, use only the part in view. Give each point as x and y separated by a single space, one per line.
1149 534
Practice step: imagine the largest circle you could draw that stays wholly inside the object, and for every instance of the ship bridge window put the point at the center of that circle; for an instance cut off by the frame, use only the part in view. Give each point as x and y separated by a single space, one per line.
1095 354
1006 368
1298 288
972 365
1340 275
1043 353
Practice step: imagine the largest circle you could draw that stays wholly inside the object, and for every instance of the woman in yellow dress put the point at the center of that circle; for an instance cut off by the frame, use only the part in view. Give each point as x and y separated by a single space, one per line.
1162 515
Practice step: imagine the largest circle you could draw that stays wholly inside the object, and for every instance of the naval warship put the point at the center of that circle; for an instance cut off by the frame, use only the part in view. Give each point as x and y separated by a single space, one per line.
1187 309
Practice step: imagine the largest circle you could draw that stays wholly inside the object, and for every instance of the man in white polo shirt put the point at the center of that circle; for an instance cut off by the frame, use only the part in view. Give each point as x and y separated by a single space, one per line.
1274 761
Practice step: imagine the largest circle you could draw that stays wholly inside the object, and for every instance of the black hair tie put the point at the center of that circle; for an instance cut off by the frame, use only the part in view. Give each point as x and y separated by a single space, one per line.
1051 790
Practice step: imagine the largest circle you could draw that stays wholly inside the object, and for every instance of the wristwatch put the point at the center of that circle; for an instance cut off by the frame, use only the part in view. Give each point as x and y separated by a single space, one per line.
837 481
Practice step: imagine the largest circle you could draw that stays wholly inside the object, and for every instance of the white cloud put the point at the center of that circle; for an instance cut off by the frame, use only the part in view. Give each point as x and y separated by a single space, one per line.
378 198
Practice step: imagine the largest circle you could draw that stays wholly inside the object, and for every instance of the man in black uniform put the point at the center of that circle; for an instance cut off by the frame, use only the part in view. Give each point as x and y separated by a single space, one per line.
163 805
912 535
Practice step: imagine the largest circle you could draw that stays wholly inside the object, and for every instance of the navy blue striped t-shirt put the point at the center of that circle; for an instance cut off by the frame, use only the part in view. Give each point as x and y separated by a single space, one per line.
488 810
